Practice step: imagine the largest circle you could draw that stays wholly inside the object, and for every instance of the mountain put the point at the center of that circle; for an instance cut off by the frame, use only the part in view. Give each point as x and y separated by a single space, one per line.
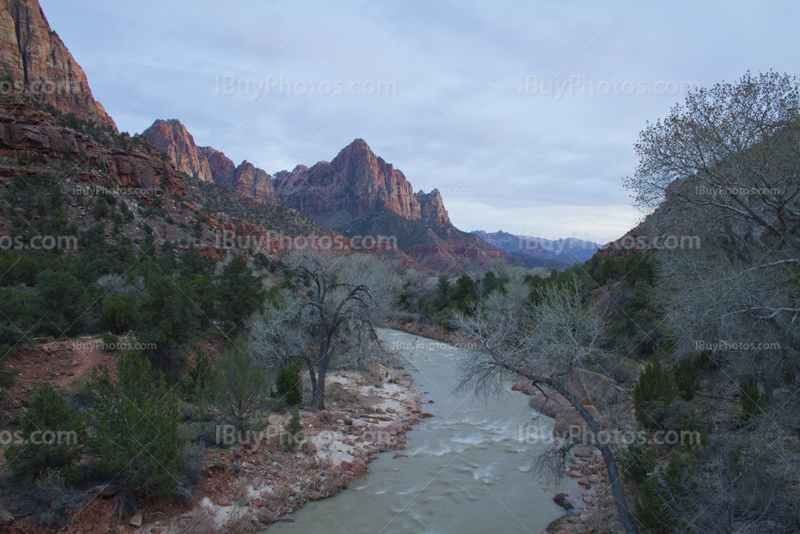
355 182
34 59
208 164
567 251
172 138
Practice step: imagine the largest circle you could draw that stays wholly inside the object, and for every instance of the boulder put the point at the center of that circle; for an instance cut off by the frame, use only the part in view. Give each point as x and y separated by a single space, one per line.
570 422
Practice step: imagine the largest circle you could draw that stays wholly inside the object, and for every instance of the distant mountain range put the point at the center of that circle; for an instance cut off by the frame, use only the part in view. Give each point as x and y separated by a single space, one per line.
563 251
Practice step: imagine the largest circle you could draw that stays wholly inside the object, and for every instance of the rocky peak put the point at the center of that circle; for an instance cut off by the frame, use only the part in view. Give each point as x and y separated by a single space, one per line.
172 138
209 164
357 181
35 60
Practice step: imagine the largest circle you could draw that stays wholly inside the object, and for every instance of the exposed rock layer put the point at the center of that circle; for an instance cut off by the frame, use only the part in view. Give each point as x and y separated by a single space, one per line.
34 59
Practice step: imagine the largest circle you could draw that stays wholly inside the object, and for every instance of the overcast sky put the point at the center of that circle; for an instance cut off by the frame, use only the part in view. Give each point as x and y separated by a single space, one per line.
523 113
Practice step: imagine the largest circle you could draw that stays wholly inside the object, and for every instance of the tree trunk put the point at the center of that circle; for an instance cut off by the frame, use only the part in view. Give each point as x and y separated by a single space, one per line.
613 471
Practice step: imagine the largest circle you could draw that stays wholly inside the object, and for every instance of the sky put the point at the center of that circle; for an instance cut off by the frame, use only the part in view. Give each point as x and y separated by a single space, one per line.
522 113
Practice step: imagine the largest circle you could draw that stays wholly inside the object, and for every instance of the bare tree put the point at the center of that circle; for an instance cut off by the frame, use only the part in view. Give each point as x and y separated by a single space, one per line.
335 315
731 150
544 345
725 166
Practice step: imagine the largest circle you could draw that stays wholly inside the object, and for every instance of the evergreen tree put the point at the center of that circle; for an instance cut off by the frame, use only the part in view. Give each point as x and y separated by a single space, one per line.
53 436
135 423
653 394
240 294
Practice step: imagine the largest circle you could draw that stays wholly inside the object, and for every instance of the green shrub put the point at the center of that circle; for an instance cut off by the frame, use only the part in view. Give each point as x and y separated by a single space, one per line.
136 427
636 461
110 342
653 394
657 496
686 373
197 378
54 436
288 385
754 401
118 313
238 388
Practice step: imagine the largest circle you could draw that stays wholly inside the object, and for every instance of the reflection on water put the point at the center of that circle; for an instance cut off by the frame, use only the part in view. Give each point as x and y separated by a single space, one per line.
465 472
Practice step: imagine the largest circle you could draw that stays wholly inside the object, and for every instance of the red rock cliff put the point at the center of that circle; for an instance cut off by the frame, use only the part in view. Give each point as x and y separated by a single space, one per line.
209 164
172 138
358 181
34 59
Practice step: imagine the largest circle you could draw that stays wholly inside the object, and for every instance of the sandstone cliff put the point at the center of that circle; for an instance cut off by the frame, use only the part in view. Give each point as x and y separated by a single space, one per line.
33 58
357 181
208 164
172 138
27 131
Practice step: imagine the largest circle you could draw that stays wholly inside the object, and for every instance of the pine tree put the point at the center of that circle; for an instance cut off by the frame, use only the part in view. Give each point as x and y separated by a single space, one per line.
136 427
653 394
53 436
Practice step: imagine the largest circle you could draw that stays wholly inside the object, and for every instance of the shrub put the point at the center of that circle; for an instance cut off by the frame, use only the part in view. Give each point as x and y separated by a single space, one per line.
653 394
754 401
238 388
55 436
197 378
136 426
636 461
656 501
117 315
110 342
288 385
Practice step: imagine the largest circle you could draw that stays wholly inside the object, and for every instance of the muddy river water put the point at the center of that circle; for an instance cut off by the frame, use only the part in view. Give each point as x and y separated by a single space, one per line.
466 470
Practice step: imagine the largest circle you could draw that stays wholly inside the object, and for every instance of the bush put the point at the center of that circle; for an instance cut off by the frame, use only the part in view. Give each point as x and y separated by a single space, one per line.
653 394
238 388
656 501
110 342
136 427
754 401
55 436
117 315
198 377
636 461
288 385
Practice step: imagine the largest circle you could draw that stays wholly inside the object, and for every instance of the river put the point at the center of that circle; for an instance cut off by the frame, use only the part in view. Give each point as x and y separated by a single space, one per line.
466 470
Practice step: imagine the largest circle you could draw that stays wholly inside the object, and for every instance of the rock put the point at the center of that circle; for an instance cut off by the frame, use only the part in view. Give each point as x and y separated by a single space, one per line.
106 490
368 400
357 181
393 429
562 499
348 421
426 414
430 402
172 138
569 422
549 406
266 516
136 520
563 524
575 474
587 500
593 479
287 519
400 455
224 502
33 57
308 448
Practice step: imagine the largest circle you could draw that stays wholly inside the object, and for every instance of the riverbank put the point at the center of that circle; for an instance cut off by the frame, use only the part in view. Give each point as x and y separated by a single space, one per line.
245 488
